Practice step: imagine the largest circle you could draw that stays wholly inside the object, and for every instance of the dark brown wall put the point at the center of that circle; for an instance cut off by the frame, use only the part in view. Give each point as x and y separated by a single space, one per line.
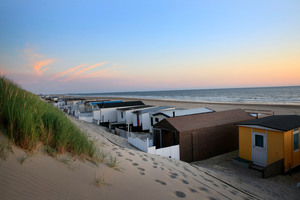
208 142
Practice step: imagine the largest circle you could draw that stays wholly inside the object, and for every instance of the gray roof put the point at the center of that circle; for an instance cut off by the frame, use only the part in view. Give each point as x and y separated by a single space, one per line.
134 107
151 109
278 122
183 112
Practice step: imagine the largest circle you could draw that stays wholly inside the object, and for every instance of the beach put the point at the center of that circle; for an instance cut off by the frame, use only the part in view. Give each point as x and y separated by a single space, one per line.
278 109
138 175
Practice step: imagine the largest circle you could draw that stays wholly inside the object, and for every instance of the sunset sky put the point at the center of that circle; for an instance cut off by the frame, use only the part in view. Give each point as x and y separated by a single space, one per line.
109 46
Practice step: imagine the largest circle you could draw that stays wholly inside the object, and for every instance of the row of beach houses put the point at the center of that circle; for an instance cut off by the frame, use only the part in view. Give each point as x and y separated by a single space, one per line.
266 142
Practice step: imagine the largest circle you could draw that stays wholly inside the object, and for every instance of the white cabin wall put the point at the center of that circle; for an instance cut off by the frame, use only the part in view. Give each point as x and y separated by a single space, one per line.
129 117
134 120
145 121
110 115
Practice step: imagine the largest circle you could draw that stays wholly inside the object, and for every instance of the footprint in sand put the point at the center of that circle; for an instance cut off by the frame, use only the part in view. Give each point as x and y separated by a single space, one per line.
142 173
162 168
132 154
135 164
141 169
173 175
184 181
203 189
144 159
180 194
155 163
193 190
129 159
154 166
161 182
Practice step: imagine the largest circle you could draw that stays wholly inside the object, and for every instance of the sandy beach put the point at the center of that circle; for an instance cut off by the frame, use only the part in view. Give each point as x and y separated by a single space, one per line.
139 175
278 109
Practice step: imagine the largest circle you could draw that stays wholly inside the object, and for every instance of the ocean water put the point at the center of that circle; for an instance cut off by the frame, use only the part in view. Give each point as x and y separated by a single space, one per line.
267 95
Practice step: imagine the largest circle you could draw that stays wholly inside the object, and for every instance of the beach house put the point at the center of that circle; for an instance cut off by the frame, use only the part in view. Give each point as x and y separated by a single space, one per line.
157 116
271 142
200 136
125 115
108 111
141 118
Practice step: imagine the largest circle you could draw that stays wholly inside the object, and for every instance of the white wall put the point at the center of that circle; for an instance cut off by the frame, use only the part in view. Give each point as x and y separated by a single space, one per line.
145 121
87 119
108 115
96 114
129 117
170 152
119 116
146 146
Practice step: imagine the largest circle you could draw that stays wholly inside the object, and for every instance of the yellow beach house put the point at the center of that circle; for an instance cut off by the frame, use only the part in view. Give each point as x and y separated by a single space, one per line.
271 141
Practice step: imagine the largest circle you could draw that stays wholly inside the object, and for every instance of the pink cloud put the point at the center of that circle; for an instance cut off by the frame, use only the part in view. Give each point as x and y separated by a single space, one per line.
68 71
88 68
39 64
38 61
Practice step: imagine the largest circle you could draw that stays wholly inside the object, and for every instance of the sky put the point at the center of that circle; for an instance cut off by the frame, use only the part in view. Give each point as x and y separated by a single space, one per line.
99 46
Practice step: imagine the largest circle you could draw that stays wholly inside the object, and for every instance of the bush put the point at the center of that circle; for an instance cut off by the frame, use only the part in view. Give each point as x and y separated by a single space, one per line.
27 120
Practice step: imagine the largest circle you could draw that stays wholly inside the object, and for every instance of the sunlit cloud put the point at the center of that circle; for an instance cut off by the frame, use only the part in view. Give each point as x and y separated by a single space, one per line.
87 68
38 61
39 64
68 71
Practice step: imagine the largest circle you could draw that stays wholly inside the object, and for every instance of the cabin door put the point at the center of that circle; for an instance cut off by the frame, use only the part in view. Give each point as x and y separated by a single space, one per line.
259 148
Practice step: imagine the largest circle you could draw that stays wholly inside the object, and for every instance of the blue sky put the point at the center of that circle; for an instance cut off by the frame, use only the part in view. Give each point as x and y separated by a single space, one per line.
149 45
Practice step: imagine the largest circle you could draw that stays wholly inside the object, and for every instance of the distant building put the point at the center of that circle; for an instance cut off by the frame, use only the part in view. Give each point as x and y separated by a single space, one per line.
107 112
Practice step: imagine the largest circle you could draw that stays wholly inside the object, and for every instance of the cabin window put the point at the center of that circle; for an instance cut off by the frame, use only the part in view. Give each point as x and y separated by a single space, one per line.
151 121
259 140
296 139
121 114
156 120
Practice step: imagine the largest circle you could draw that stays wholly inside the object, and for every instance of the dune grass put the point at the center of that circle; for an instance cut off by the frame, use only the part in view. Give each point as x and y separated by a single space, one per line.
27 120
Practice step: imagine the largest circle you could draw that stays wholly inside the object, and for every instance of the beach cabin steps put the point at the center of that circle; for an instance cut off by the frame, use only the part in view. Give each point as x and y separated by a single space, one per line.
256 167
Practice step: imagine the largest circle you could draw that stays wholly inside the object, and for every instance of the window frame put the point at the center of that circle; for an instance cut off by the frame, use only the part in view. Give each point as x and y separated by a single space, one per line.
295 132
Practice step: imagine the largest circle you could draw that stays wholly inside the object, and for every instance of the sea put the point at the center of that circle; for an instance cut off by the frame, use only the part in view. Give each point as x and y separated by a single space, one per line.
261 95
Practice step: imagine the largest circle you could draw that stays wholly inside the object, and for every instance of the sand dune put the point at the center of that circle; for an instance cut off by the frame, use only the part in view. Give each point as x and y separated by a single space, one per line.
140 176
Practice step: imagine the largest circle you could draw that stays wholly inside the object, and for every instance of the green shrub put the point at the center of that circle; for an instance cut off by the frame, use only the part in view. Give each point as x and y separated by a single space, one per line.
27 120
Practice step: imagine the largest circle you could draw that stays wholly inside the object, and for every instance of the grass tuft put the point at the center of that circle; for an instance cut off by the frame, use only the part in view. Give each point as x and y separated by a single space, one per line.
22 159
27 120
99 181
5 149
113 163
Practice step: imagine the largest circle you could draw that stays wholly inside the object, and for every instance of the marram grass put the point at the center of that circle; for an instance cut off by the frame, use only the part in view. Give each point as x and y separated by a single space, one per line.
27 120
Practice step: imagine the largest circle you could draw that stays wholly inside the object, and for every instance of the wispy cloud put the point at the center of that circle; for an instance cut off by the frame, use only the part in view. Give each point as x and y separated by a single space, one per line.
38 61
68 71
87 68
39 64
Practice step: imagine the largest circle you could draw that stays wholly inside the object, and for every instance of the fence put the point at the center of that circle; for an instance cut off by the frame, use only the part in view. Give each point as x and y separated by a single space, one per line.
147 146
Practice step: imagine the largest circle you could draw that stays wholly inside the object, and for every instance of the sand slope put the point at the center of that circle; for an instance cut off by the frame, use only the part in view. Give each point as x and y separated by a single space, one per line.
142 176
